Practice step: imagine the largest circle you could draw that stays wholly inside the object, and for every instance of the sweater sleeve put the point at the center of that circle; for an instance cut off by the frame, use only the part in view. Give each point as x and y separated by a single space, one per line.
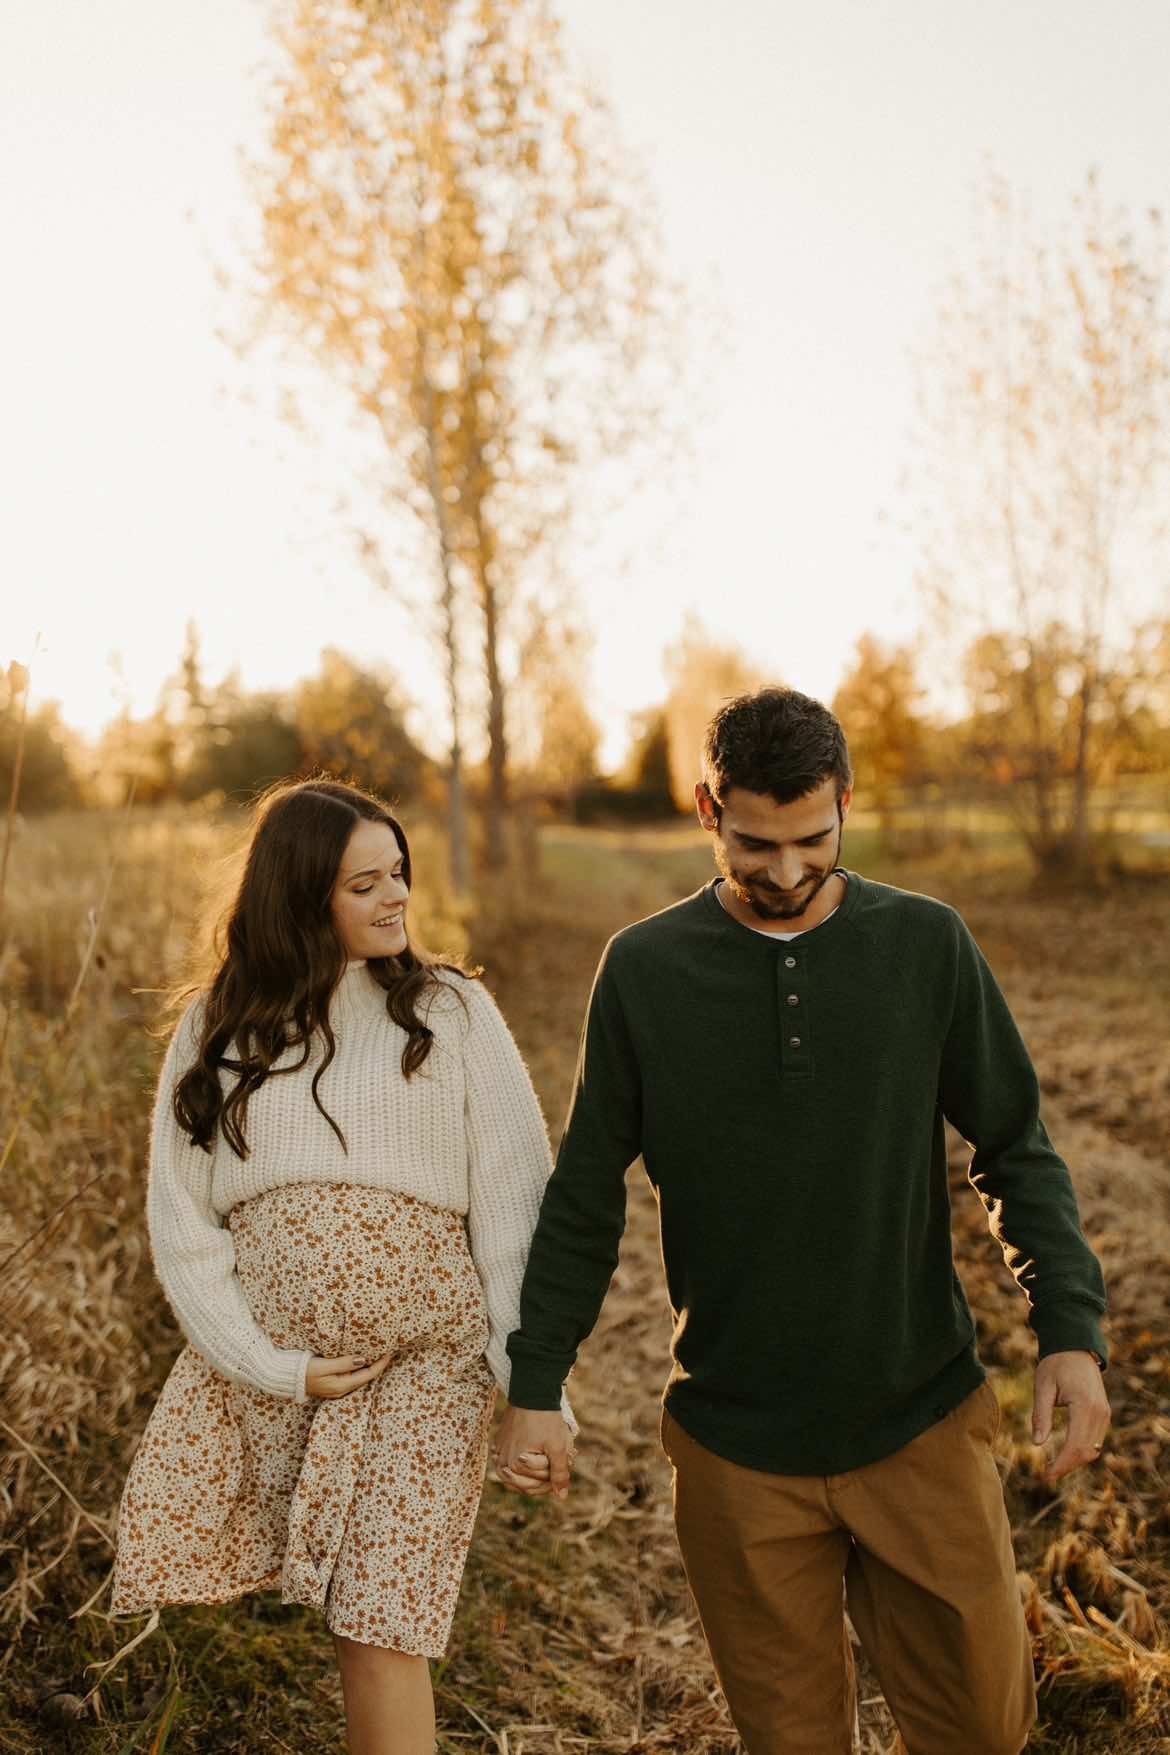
194 1256
508 1168
575 1250
990 1093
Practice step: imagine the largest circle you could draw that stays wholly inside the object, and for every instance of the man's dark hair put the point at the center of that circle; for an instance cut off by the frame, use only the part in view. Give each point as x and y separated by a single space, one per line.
775 741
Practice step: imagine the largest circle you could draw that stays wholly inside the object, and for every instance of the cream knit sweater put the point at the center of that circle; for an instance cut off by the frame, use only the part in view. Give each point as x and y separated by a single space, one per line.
464 1133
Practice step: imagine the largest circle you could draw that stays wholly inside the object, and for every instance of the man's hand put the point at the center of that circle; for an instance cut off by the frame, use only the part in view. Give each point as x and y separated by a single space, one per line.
1072 1381
533 1452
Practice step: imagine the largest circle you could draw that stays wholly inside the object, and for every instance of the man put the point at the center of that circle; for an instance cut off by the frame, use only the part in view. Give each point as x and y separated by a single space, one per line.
782 1048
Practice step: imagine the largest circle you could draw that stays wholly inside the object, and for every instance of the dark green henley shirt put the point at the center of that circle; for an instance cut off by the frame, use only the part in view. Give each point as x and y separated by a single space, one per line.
787 1099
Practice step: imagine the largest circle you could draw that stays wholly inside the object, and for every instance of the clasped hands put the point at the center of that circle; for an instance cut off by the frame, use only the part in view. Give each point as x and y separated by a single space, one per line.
533 1451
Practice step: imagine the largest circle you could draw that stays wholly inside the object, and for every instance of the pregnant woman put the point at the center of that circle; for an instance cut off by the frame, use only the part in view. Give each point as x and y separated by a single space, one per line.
347 1162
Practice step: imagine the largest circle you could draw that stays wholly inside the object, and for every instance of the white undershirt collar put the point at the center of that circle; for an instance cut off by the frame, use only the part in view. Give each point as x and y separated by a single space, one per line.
783 937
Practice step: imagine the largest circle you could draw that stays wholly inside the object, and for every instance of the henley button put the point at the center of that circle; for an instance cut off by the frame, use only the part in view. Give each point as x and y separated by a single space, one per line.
794 1042
794 999
790 962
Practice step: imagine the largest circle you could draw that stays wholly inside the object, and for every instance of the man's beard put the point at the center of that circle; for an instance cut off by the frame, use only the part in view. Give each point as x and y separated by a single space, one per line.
767 903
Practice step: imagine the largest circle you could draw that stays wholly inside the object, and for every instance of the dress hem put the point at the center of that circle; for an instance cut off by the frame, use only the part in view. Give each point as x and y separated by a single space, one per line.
273 1584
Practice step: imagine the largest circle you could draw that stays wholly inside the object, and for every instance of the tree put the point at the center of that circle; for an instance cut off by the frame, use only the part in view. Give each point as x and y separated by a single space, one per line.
349 720
558 741
1150 720
136 757
158 755
646 769
244 742
879 703
46 749
183 704
1045 421
641 790
702 676
1009 682
451 232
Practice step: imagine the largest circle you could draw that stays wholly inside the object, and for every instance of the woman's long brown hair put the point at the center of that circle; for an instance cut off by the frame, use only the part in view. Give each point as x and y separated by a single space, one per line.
283 956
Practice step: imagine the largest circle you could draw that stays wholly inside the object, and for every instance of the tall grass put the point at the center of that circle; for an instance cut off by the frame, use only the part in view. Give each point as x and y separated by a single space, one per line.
99 917
575 1631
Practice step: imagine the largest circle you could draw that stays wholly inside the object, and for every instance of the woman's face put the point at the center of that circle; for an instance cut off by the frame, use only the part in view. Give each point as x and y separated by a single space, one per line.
369 896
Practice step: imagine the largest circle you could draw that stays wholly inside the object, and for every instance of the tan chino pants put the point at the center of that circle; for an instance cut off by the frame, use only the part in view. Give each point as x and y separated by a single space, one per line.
922 1544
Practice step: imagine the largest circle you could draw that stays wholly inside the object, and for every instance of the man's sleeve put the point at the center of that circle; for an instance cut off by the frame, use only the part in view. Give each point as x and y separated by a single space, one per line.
989 1092
583 1213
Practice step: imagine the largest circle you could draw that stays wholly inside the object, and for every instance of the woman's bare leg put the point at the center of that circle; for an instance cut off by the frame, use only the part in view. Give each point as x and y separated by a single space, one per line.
389 1706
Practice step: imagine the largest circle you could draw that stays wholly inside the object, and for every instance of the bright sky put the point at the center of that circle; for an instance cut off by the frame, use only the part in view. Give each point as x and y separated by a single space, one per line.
815 162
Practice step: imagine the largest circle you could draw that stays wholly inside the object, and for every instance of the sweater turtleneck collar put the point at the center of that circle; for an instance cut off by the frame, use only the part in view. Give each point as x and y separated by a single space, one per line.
357 992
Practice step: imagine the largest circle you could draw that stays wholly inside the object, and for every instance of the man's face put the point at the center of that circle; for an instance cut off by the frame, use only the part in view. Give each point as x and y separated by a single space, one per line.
776 857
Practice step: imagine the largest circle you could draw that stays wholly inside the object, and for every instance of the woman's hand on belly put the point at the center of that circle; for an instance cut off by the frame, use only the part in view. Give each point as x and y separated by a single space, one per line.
328 1379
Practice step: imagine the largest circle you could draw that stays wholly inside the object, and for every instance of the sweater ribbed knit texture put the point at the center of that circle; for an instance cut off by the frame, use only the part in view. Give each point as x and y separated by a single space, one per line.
787 1100
464 1133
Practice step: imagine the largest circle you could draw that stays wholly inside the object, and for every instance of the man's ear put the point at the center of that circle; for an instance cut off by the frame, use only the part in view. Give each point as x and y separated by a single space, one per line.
843 803
705 805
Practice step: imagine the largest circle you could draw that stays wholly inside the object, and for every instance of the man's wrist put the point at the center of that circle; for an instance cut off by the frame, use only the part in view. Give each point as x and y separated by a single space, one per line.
1092 1353
534 1388
1069 1327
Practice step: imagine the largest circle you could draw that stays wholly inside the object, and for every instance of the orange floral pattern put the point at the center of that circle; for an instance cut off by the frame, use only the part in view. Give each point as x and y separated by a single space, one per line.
363 1506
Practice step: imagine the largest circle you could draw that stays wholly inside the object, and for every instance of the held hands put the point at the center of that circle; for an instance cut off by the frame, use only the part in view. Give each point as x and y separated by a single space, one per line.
1072 1381
533 1452
329 1379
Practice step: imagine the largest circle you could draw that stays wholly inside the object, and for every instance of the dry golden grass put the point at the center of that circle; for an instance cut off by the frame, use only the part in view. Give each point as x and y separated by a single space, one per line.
84 1337
575 1631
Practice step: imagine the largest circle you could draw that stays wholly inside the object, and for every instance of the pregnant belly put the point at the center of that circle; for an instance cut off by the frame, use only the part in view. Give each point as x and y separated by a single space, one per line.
337 1269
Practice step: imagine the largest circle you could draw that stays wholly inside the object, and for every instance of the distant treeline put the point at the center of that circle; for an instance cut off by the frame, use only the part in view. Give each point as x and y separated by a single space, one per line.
223 742
1025 742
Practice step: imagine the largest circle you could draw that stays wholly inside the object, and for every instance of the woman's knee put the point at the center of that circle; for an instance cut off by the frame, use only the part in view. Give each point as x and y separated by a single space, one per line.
381 1660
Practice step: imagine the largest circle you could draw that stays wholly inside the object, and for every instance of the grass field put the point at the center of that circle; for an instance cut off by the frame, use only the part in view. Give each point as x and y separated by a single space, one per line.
575 1631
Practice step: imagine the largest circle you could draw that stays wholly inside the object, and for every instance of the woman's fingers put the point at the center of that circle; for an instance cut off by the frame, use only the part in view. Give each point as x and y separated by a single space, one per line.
532 1486
534 1431
327 1379
368 1374
529 1474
